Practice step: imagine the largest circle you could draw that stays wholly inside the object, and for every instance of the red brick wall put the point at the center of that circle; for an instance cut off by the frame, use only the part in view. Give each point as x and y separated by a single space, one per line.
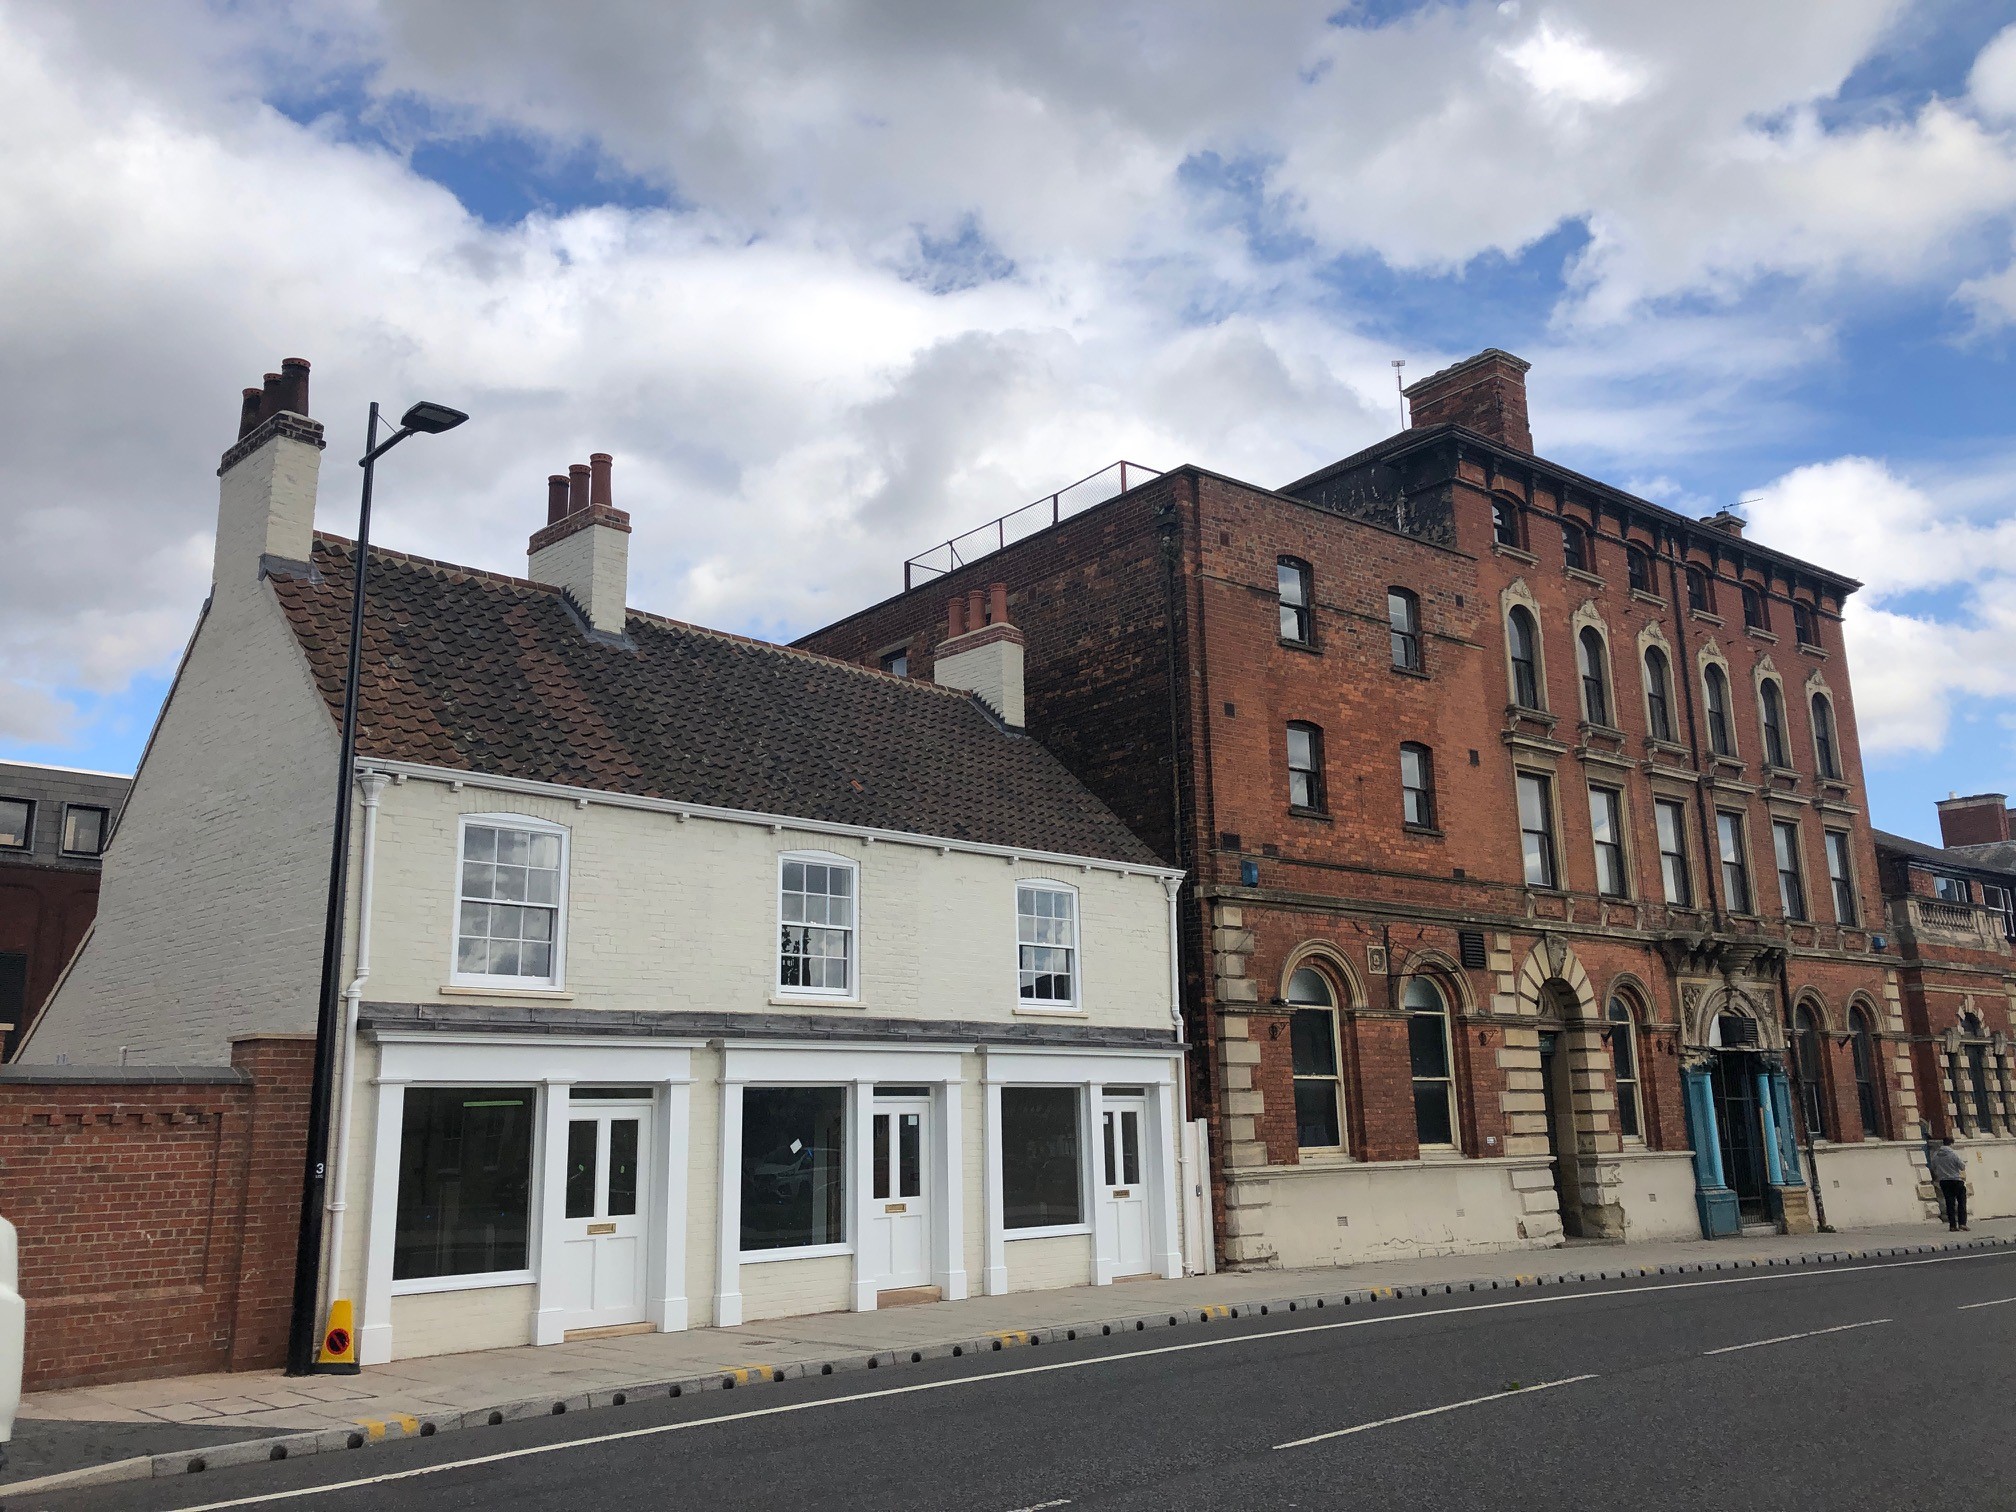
156 1219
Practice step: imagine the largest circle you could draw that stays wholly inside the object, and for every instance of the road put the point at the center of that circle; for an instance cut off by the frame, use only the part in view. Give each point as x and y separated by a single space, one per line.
1880 1385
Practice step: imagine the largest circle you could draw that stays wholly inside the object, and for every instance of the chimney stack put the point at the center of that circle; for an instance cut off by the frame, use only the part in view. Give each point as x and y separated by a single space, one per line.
1485 393
584 549
1982 819
983 653
1723 520
267 481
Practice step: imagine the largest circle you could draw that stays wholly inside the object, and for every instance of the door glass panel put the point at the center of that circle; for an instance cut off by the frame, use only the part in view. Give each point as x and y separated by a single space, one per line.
1112 1170
881 1156
622 1167
1130 1146
910 1156
581 1140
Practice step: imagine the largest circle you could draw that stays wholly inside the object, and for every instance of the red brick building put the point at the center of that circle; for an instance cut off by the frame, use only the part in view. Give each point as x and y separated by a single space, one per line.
1953 918
1524 820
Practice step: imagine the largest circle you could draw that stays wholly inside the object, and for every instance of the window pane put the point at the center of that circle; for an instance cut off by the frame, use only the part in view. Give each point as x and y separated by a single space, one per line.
1316 1123
480 844
910 1155
1040 1165
1313 1036
1130 1146
1427 1045
581 1168
1300 756
881 1155
793 1173
84 831
1308 986
15 817
622 1167
465 1171
1432 1124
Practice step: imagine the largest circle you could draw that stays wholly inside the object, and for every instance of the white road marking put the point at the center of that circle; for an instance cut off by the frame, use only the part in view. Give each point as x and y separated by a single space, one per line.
1062 1501
1029 1370
1788 1338
1970 1306
1426 1412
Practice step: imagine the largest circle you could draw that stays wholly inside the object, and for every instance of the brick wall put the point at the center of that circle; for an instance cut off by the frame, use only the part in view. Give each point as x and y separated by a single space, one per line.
157 1217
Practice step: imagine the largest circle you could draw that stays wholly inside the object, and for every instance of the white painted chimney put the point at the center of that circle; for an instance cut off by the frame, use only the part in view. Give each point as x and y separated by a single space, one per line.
266 481
982 653
584 551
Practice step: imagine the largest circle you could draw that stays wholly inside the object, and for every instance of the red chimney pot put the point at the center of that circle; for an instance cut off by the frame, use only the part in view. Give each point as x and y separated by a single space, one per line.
556 498
997 603
598 478
577 487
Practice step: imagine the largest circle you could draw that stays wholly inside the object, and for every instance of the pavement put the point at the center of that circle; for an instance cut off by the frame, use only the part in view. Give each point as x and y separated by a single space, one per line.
158 1428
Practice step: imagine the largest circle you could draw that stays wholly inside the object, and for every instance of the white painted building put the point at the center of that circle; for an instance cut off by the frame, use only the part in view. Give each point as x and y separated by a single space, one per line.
695 980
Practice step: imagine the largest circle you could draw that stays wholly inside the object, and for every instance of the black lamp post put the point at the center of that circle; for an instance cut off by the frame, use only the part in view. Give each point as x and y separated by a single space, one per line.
303 1329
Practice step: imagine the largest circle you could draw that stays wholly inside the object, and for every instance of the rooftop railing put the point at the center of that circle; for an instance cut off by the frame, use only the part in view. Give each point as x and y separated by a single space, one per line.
1112 480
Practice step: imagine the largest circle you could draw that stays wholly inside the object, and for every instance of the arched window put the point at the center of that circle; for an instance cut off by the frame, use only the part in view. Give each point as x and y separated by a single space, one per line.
1575 546
1774 725
1295 590
1658 694
1809 1058
1319 1085
1823 737
1974 1048
1523 636
1428 1052
1720 740
1700 592
1417 785
1756 613
1403 624
1305 767
1505 523
1638 568
1867 1081
1624 1058
1595 686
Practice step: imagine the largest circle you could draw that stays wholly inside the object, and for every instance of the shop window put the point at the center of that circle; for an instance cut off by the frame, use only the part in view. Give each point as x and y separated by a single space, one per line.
1417 785
1042 1184
1428 1054
1297 601
794 1184
1658 695
816 925
1319 1086
1624 1061
465 1182
508 924
1046 943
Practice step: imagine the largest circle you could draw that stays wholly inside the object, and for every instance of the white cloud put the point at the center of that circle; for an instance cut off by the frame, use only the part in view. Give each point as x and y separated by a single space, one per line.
1992 81
1566 67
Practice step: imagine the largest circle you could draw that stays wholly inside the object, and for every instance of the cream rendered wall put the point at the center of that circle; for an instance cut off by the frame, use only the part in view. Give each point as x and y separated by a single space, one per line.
1875 1181
664 914
791 1288
1043 1264
210 909
458 1322
1411 1207
1656 1190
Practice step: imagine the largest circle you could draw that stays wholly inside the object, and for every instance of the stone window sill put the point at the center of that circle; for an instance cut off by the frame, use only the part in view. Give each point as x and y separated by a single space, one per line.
1759 634
1517 553
1706 616
544 994
1309 813
1299 645
1426 831
1645 596
1584 575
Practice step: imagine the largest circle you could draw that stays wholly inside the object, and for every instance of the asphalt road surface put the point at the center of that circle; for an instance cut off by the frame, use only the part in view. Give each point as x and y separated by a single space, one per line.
1884 1385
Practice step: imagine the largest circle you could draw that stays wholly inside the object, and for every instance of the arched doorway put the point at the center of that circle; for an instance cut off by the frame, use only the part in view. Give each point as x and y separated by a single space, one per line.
1557 1087
1743 1114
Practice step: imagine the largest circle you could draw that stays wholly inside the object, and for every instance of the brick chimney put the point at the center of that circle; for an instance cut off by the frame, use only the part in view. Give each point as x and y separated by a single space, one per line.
584 549
1980 820
1725 521
1486 393
267 480
982 653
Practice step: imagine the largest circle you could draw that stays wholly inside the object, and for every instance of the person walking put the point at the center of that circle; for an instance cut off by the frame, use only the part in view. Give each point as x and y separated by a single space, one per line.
1949 1169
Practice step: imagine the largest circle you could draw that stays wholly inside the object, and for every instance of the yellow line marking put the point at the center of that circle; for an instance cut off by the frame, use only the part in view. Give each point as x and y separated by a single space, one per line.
375 1427
405 1420
748 1375
1011 1336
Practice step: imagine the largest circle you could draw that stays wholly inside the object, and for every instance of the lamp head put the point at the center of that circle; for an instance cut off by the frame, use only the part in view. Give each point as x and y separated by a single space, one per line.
431 419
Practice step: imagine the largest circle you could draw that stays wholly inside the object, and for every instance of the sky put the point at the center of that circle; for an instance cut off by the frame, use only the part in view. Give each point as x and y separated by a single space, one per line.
836 280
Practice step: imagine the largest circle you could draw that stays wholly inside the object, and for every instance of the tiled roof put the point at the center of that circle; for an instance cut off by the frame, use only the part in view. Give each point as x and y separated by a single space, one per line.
1997 857
478 672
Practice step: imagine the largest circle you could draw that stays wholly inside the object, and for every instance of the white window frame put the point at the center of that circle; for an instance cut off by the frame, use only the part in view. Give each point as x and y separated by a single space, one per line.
456 976
851 993
1075 1006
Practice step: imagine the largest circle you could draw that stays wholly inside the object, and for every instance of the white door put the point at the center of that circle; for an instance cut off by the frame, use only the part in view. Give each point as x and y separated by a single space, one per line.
605 1207
899 1216
1123 1191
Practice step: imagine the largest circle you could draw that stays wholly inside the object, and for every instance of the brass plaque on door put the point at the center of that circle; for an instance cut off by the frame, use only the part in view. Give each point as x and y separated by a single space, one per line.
1122 1192
601 1228
896 1207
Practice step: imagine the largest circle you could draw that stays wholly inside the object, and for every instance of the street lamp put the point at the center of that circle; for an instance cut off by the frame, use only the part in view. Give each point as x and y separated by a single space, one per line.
422 419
